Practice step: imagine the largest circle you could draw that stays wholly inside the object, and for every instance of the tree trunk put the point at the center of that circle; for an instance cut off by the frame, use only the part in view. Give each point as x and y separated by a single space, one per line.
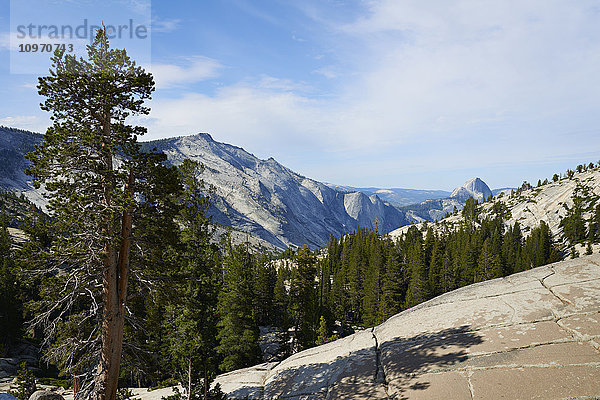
116 275
205 383
189 394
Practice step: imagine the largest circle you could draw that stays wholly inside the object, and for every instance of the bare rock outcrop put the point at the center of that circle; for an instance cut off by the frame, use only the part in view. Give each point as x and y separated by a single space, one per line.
532 335
45 395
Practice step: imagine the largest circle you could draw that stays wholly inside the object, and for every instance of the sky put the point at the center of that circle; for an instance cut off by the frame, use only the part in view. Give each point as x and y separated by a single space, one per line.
380 93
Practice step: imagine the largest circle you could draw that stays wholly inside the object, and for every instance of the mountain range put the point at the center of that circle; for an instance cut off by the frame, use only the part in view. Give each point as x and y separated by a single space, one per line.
396 196
264 198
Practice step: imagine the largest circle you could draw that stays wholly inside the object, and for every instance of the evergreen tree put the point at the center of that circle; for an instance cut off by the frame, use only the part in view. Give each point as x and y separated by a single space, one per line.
281 307
303 298
436 278
372 291
10 305
322 332
265 277
93 173
392 290
194 329
489 264
238 332
418 288
469 211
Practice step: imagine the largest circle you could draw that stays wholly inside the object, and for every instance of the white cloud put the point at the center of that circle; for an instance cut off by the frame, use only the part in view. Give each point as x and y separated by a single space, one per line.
196 69
439 80
27 122
165 25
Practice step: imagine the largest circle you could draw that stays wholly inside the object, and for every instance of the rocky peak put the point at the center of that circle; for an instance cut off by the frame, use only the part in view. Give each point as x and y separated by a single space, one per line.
475 188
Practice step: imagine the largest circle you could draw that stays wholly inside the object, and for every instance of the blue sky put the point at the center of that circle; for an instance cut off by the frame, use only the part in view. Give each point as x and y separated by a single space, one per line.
415 94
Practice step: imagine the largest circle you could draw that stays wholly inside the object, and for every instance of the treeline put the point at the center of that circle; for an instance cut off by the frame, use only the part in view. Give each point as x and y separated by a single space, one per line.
198 308
582 220
201 314
363 278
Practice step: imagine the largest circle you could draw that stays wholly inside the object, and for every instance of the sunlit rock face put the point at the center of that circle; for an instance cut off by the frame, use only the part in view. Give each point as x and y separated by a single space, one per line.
272 202
475 188
532 335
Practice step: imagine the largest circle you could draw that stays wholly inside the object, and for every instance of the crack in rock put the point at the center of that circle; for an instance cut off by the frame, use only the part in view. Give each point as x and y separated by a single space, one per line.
379 370
543 282
471 388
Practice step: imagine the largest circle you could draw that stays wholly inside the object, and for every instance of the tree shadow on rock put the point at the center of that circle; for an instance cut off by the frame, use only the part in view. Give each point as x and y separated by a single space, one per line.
355 375
405 360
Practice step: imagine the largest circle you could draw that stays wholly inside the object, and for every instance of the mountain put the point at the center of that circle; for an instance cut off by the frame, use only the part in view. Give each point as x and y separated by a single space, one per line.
528 335
546 203
436 209
475 188
264 198
268 200
260 197
396 196
14 144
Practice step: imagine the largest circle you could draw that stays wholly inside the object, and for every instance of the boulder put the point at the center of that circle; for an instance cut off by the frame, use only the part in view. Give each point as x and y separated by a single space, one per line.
46 395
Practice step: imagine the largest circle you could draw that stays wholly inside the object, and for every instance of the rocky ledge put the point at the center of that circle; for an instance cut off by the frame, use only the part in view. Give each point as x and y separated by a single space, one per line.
532 335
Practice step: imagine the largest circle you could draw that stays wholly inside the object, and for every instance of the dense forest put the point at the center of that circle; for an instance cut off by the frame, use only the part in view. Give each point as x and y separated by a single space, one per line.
198 312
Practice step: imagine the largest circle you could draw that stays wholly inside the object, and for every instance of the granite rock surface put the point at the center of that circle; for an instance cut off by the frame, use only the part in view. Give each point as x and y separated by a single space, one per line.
532 335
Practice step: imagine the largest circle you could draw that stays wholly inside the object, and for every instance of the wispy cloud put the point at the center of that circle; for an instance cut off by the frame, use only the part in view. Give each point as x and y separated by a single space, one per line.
441 80
165 25
28 122
192 70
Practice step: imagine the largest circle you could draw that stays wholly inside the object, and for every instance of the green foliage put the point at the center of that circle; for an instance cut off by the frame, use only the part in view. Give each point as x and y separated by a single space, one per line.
124 394
11 308
303 298
238 331
192 324
26 385
470 210
113 229
212 394
574 253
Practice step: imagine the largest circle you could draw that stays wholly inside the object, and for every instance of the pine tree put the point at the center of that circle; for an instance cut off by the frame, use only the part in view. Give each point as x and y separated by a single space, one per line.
573 223
92 170
322 332
303 298
436 280
281 307
265 277
372 292
10 304
393 291
238 331
418 288
194 329
489 264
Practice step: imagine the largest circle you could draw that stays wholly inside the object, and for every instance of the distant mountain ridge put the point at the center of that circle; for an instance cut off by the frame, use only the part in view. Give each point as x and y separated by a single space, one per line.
397 196
263 197
272 202
436 209
548 202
